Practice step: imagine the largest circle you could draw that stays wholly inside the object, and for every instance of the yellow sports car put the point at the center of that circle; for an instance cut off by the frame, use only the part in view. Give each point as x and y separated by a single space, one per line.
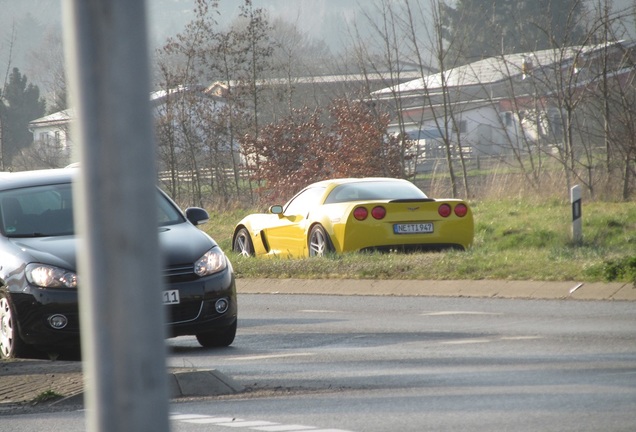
355 214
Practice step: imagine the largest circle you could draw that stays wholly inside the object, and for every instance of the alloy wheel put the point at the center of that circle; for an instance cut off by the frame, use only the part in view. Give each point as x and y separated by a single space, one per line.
7 332
243 243
317 242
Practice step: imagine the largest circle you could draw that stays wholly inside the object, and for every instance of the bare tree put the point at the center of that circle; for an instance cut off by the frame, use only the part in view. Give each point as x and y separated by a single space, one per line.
179 128
614 92
48 68
255 40
383 55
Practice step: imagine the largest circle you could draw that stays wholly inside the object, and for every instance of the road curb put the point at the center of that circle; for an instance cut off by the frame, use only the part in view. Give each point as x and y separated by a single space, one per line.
549 290
201 382
182 383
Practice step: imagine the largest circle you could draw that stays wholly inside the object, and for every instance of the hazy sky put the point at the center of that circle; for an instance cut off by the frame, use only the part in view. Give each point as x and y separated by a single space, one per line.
323 19
32 22
27 26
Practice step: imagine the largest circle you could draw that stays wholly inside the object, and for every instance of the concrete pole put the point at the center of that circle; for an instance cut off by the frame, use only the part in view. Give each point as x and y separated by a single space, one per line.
121 314
577 213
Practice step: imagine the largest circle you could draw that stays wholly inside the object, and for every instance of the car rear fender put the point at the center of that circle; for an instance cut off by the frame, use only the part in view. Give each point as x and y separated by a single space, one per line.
328 225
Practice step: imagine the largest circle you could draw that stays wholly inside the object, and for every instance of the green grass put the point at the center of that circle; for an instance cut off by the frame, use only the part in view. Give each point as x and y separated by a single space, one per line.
514 240
46 396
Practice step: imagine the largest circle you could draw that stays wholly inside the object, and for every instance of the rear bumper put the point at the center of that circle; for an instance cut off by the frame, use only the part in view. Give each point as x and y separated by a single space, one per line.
424 247
456 234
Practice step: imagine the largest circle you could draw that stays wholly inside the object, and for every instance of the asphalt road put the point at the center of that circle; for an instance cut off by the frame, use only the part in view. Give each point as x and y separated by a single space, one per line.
380 363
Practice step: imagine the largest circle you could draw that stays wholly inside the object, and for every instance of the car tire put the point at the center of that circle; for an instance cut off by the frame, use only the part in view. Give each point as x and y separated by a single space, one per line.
218 338
11 344
319 242
243 243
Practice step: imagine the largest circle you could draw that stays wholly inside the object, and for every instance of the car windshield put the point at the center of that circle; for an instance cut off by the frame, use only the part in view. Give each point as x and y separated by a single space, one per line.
374 190
43 211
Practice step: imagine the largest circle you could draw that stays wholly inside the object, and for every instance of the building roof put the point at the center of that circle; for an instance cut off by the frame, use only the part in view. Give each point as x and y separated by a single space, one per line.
59 118
492 70
62 118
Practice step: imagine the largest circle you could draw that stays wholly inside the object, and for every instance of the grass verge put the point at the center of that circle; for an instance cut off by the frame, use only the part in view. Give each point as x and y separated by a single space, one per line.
514 240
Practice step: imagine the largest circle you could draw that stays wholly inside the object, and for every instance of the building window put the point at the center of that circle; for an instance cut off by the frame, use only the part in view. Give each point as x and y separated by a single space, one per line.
557 126
506 118
462 126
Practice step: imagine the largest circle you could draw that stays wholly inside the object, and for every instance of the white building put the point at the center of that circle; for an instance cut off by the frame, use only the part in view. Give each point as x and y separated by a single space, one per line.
53 132
495 105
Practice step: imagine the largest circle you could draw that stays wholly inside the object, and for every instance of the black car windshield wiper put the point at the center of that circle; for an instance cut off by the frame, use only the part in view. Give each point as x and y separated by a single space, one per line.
38 234
34 234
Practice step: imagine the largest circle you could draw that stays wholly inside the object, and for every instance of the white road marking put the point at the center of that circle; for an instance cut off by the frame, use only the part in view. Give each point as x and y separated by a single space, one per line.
318 311
269 356
330 430
520 337
475 341
256 425
466 341
248 424
186 416
211 420
284 428
445 313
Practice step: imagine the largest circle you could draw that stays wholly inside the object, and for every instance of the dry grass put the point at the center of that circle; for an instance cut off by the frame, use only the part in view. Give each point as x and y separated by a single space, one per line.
521 233
514 240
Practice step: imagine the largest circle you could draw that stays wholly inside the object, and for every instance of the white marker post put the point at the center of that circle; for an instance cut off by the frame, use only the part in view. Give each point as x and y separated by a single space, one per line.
577 222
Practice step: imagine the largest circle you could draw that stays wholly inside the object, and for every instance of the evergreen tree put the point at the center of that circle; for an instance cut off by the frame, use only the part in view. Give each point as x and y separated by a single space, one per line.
476 29
20 103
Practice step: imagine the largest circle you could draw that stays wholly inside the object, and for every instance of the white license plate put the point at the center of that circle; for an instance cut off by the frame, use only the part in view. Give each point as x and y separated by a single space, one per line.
171 297
413 228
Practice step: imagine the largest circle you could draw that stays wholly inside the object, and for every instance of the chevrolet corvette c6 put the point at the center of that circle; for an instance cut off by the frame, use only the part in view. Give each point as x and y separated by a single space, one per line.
356 214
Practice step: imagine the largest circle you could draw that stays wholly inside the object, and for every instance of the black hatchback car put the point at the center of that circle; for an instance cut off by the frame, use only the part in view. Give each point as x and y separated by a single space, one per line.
38 280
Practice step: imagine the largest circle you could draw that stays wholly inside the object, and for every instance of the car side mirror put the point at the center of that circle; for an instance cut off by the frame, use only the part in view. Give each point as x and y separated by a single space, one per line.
197 215
276 209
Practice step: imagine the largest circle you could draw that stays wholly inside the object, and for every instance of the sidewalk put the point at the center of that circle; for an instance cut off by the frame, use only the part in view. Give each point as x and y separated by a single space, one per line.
23 382
437 288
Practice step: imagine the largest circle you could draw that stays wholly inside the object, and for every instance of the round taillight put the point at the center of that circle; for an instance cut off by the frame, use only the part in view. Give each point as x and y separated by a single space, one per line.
360 213
444 210
378 212
461 210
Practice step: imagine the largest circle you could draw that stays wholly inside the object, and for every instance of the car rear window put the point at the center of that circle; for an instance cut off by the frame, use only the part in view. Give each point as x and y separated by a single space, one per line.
374 190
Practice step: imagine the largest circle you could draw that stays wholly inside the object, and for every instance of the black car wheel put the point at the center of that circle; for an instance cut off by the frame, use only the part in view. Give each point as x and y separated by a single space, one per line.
218 338
11 345
319 242
243 243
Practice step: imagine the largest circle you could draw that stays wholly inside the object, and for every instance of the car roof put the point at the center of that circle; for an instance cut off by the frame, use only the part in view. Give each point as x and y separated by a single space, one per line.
339 181
20 179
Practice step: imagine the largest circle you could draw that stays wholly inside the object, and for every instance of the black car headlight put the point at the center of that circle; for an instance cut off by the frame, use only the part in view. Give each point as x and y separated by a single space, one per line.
212 262
47 276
